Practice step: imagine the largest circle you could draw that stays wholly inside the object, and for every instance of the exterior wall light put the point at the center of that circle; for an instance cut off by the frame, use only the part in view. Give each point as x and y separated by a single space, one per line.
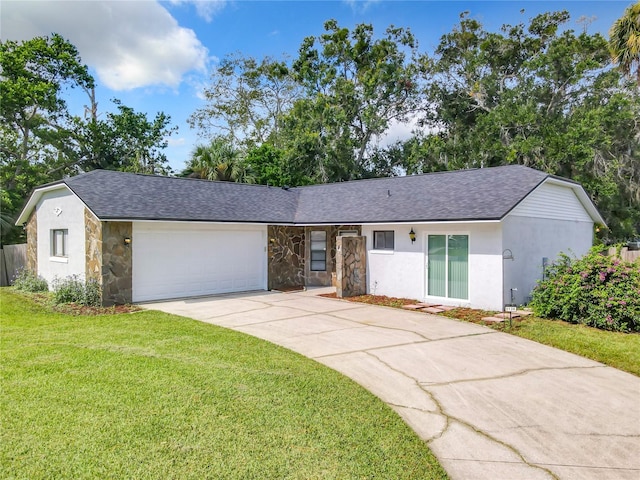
412 236
127 241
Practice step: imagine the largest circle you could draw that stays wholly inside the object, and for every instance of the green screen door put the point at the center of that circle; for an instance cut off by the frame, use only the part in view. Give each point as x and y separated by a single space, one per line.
448 266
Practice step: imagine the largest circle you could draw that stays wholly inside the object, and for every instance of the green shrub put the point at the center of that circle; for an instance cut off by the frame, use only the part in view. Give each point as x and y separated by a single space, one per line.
27 281
74 289
595 290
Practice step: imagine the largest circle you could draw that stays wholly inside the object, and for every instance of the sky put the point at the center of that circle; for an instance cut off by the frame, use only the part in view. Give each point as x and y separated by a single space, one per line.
157 55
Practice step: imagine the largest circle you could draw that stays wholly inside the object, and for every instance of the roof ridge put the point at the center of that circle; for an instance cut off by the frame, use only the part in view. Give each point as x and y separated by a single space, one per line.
169 177
425 174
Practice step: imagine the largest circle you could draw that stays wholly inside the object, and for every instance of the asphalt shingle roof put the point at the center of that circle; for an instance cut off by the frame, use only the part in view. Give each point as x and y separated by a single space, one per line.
480 194
118 195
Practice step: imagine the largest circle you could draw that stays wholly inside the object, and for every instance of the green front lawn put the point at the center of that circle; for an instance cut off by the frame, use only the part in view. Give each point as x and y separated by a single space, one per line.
151 395
619 350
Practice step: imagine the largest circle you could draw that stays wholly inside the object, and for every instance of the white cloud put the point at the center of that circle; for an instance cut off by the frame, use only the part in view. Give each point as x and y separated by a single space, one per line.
130 44
360 6
398 132
205 9
176 142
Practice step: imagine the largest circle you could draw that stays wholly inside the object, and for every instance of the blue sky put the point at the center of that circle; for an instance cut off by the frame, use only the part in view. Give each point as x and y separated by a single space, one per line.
156 56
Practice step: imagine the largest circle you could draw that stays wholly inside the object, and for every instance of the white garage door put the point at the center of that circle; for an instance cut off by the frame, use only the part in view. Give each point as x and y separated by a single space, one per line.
186 260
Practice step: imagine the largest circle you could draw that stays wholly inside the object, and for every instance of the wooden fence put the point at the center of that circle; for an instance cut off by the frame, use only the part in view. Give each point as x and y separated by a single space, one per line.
626 254
12 259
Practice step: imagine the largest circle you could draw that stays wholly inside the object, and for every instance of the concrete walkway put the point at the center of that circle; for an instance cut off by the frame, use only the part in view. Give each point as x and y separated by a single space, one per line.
489 405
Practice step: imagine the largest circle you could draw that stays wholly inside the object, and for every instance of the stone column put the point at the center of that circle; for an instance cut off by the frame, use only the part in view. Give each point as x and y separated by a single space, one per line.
117 263
93 247
32 242
351 266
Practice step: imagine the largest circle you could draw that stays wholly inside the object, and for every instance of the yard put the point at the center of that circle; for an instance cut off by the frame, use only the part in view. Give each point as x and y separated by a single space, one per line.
150 395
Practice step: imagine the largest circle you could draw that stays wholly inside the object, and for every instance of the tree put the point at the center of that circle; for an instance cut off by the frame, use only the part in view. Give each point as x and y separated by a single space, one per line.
33 113
355 87
624 42
246 99
126 140
218 161
271 166
40 141
537 96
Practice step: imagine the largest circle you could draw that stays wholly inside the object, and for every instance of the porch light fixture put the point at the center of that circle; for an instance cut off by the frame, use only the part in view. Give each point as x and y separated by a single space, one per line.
127 241
412 236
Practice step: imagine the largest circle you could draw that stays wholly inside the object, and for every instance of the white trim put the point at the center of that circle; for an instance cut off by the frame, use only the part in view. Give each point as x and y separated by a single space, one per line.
382 252
289 224
59 259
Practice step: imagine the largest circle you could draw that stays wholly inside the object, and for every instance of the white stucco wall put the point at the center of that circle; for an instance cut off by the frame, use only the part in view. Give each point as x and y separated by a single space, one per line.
60 209
402 272
532 239
550 220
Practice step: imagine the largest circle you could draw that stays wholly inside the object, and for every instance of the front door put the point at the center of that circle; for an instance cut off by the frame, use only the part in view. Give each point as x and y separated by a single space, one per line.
448 266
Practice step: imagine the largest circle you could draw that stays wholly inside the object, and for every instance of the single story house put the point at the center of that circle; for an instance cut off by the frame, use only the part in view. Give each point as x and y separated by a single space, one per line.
476 238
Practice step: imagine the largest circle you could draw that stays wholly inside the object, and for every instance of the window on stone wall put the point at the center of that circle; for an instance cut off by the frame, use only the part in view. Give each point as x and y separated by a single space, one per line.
59 240
318 250
383 240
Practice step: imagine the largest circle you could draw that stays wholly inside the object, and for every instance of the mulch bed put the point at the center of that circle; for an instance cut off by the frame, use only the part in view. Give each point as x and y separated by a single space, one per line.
44 299
460 313
75 309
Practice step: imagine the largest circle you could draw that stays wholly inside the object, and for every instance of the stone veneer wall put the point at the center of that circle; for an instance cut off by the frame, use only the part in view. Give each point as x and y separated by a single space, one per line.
351 266
32 242
116 263
93 247
286 257
325 278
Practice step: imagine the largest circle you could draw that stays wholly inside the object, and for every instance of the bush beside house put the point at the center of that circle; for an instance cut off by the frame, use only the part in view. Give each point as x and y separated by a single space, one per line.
596 290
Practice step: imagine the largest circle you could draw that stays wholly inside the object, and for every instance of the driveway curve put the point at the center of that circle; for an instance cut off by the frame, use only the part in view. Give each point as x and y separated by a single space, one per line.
489 405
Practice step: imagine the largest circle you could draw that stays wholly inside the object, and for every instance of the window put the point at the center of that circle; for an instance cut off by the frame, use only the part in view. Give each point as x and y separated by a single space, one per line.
448 266
59 243
318 250
383 240
347 233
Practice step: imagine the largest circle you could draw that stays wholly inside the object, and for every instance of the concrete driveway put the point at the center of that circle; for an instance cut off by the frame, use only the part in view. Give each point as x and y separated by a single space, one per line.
489 405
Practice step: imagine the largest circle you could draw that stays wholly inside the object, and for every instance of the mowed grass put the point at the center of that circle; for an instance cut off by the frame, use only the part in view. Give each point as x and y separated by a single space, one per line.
151 395
618 350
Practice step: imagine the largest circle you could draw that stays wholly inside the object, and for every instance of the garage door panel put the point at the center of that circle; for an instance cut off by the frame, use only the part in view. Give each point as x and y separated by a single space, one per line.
171 262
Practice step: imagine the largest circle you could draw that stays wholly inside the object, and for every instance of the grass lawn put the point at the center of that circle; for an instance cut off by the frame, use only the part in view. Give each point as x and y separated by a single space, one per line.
151 395
619 350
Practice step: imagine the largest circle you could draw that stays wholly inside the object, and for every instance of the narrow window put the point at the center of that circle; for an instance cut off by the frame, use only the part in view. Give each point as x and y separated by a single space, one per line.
383 240
59 242
318 250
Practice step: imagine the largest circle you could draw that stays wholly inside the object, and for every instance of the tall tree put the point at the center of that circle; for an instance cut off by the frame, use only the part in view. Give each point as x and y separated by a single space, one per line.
356 87
40 141
537 96
245 100
33 112
126 140
624 42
